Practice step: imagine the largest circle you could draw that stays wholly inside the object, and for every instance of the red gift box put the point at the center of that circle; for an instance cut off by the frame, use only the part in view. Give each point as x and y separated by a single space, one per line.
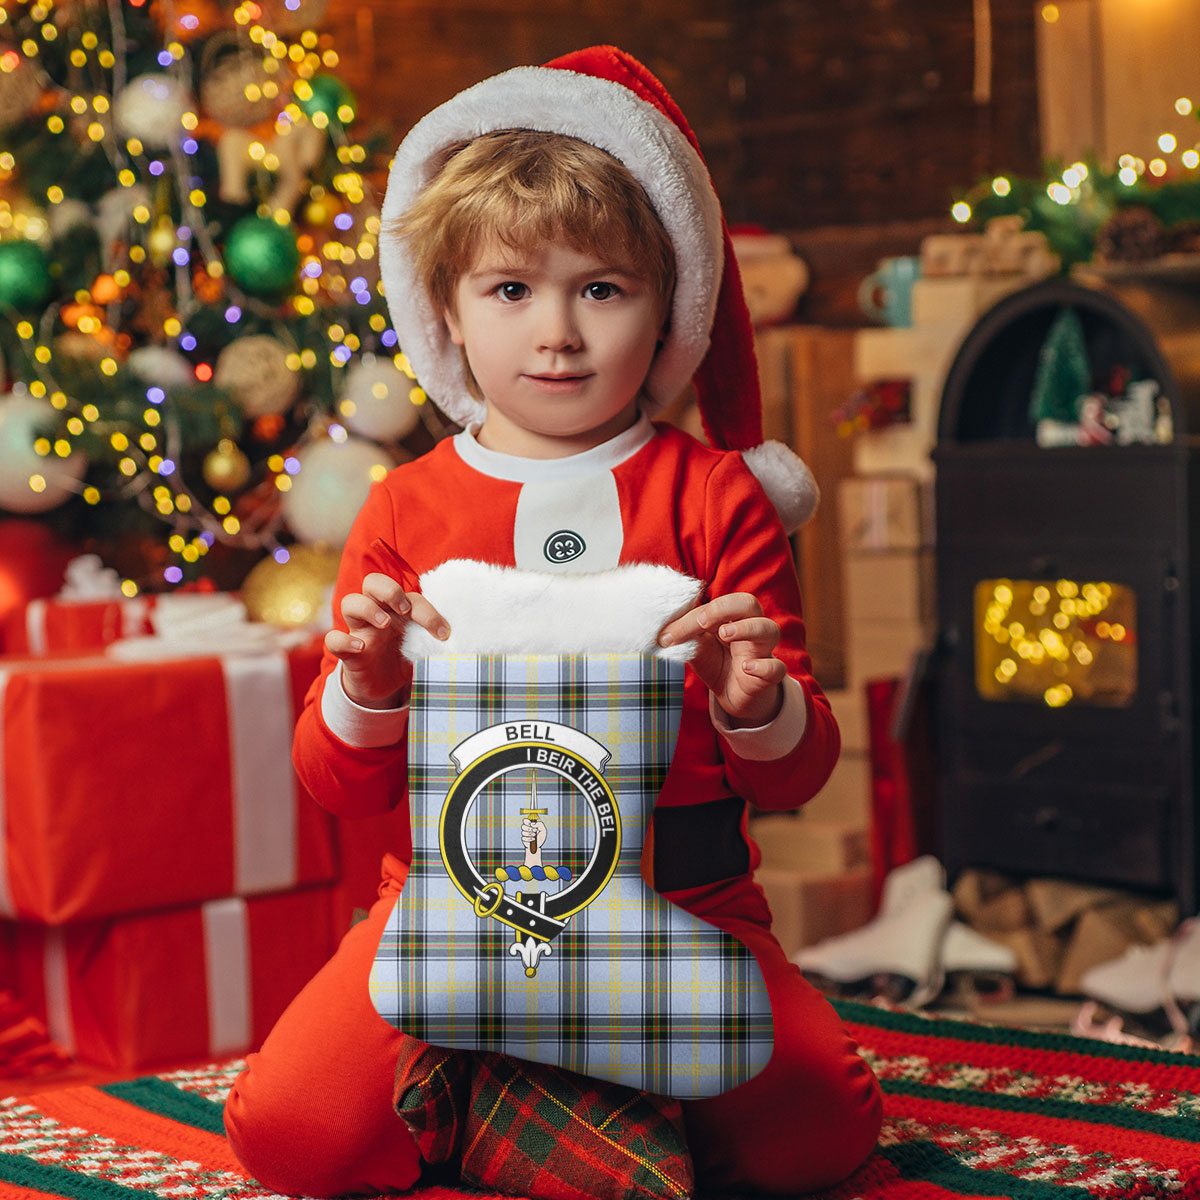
52 625
131 786
173 987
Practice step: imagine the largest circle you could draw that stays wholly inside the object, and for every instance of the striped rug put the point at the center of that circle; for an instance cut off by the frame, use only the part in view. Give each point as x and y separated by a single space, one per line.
972 1110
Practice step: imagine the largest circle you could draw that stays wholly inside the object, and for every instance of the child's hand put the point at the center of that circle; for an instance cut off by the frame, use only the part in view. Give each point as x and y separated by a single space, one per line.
734 655
374 674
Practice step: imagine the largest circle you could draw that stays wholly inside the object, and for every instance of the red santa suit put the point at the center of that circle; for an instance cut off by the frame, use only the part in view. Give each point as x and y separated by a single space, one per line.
313 1112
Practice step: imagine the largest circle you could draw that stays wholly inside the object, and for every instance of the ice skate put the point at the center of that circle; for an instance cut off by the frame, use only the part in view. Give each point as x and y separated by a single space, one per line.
898 953
978 965
1154 989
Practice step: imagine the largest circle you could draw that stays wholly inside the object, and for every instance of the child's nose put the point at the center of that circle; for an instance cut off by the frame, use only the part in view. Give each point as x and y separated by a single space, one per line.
557 329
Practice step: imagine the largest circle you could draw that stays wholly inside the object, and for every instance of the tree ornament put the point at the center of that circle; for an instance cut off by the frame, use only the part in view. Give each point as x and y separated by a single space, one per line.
114 218
24 275
255 370
318 212
20 90
262 255
295 593
31 482
330 488
150 108
67 215
161 366
326 95
235 86
1131 234
225 467
375 400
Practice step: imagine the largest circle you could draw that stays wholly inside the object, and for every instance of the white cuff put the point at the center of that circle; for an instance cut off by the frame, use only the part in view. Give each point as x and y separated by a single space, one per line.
356 725
777 738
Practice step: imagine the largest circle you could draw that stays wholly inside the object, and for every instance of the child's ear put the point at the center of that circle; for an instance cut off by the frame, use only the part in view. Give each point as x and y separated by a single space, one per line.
452 327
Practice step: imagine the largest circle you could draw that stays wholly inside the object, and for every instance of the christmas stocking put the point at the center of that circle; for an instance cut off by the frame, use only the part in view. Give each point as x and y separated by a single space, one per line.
525 926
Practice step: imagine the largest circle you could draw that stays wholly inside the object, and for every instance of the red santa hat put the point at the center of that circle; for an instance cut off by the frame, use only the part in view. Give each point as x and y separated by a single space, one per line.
607 98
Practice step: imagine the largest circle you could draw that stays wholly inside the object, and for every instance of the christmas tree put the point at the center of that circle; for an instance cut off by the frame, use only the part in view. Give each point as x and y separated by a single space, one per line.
196 357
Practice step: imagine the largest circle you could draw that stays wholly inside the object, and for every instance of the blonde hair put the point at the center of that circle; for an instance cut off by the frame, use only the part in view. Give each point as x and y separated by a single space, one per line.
521 188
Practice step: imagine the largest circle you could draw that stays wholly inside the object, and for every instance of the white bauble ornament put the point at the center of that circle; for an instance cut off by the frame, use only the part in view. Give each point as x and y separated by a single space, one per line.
255 370
114 216
66 215
150 108
375 400
161 366
330 488
24 419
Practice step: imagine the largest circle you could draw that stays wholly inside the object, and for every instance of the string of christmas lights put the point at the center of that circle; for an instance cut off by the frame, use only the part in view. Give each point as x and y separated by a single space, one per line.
191 321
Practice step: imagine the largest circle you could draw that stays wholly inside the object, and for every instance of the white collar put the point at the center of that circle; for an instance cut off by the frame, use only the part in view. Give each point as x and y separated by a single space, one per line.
514 469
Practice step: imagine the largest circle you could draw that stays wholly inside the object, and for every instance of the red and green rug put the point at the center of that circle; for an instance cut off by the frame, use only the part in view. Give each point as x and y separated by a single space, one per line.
972 1110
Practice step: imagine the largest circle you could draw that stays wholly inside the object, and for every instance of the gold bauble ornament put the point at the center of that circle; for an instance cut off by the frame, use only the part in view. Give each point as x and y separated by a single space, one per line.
237 89
255 370
295 593
318 213
226 468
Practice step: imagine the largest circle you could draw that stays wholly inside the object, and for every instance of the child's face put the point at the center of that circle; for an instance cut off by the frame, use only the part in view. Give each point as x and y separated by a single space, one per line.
559 342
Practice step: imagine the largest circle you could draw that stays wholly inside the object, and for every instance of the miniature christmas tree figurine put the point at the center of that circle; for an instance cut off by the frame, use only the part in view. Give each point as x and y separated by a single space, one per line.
1062 382
190 317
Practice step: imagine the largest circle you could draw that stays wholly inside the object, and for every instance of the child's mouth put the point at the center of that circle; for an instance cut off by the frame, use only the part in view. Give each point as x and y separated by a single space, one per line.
558 383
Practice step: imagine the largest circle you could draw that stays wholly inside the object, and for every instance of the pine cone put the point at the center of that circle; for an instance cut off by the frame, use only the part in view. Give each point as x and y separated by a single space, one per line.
1132 234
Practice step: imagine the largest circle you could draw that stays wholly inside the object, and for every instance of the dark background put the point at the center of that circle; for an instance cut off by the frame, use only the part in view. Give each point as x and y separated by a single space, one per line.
847 125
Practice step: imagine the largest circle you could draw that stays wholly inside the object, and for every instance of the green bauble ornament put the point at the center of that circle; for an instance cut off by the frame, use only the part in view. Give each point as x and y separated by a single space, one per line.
24 275
328 95
262 255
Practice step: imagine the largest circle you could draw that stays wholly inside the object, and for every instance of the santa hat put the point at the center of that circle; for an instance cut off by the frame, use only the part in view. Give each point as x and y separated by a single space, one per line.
607 98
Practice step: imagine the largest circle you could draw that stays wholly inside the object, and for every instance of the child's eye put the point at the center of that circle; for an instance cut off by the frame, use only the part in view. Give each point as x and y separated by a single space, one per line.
512 291
601 291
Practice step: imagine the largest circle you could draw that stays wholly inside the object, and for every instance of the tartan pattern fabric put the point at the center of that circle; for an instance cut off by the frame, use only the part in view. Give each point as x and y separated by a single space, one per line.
529 1130
632 989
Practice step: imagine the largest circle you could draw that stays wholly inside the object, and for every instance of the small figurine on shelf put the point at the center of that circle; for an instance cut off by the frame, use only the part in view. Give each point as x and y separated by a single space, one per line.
879 404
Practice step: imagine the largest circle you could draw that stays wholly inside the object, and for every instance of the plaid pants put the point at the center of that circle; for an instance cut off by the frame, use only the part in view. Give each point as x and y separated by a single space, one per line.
525 927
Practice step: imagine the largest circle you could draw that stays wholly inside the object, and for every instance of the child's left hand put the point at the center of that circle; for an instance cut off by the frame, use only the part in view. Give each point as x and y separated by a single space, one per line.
734 655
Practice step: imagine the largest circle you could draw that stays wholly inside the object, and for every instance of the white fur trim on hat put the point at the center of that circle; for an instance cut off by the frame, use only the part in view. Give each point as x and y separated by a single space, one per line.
786 479
604 114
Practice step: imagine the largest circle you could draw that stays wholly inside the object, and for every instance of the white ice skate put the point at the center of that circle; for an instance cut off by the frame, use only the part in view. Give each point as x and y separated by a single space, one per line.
898 953
1155 987
980 966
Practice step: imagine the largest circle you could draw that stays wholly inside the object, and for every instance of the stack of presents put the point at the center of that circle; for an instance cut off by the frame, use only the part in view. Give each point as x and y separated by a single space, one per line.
823 869
166 885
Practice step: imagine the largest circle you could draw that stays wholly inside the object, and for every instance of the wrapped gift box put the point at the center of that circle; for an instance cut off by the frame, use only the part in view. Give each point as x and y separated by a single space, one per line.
46 626
130 786
173 987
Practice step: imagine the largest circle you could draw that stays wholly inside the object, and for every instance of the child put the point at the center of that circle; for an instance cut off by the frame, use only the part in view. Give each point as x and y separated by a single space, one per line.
556 265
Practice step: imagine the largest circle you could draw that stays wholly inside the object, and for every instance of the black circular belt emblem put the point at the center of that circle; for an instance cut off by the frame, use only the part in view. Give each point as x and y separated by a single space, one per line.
488 899
563 546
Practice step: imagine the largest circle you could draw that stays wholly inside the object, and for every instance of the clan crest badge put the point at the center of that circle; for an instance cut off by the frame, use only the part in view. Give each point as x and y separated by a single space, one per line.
523 895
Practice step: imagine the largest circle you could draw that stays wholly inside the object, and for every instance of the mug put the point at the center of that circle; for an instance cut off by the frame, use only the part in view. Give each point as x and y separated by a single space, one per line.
886 294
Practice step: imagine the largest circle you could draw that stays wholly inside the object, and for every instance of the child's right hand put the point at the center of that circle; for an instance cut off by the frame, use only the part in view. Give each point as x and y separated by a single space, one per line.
374 673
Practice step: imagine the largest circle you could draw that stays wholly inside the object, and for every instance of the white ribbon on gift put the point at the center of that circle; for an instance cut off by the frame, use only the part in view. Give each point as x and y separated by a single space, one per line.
258 695
132 615
226 973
